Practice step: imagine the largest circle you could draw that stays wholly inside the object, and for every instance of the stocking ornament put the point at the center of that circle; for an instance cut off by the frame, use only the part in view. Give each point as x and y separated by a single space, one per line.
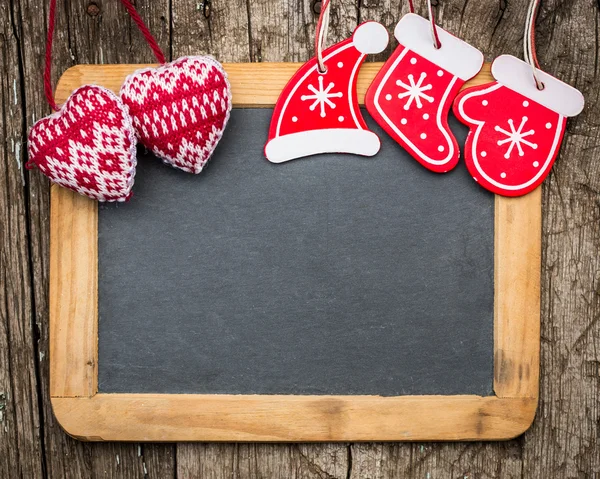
412 94
88 144
317 111
517 122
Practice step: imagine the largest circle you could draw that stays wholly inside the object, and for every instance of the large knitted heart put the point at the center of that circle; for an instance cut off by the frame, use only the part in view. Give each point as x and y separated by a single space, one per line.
87 146
180 109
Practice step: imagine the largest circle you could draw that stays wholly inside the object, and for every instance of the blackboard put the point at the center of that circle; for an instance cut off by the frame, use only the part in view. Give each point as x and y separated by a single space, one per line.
333 298
334 274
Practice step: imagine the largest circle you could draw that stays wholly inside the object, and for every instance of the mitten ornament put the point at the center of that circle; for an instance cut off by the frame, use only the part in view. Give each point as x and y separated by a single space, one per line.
318 112
180 109
412 94
516 129
88 144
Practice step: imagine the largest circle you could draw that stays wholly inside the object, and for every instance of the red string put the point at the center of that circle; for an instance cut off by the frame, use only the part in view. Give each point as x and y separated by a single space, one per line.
320 26
47 71
135 16
434 29
533 50
411 6
48 91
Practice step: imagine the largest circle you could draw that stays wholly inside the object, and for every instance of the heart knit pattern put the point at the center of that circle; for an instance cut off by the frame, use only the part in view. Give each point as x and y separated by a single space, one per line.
87 146
180 110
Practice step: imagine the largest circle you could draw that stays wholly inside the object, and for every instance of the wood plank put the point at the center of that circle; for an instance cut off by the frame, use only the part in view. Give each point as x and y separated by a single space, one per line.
517 302
216 28
63 457
73 294
87 32
253 84
193 417
21 451
437 460
565 441
292 461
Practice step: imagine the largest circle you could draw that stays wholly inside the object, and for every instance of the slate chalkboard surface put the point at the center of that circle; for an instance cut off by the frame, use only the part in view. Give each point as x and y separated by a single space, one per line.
334 275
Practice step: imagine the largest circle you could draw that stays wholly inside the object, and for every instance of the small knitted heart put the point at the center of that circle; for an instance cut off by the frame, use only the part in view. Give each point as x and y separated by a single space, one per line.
87 146
180 109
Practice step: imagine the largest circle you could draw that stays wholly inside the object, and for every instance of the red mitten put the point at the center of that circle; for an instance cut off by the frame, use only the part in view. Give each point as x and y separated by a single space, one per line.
87 146
412 94
515 129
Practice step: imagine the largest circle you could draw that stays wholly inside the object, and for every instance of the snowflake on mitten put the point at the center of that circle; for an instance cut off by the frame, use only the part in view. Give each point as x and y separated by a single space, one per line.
515 129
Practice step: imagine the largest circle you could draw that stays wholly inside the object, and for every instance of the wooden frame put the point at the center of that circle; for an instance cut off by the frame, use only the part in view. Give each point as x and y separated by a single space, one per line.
87 415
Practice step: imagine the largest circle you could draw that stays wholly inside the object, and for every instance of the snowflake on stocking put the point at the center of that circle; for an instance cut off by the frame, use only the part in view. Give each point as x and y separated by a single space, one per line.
415 91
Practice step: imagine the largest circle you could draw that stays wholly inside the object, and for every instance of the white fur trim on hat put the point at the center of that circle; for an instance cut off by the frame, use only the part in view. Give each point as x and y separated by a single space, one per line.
370 37
313 142
455 56
517 75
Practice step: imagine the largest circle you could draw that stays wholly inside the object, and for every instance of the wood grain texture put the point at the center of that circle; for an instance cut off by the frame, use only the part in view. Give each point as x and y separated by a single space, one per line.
73 294
256 85
564 439
190 417
21 451
517 296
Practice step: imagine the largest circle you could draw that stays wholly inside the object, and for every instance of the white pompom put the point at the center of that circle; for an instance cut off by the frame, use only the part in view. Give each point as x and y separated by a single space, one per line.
370 37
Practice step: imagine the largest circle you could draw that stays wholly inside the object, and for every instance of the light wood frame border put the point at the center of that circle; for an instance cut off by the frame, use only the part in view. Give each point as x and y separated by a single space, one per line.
87 415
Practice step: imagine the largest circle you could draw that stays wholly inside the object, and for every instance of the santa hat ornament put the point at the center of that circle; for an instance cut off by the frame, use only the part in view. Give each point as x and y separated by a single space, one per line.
517 122
412 94
88 144
318 111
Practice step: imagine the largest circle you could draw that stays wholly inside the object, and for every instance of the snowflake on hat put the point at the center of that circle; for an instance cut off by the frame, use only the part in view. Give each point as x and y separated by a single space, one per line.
318 112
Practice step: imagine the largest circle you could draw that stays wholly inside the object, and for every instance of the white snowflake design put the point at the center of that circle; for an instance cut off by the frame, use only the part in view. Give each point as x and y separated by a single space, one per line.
415 90
322 96
516 137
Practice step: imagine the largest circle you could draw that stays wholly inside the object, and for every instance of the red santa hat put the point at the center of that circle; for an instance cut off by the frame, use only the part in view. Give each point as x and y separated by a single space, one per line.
319 112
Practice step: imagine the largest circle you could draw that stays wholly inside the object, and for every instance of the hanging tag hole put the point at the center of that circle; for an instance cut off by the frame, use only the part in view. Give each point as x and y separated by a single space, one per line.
93 9
206 8
321 72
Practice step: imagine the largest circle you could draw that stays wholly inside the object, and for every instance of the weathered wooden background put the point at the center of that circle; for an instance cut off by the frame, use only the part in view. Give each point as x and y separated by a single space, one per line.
565 439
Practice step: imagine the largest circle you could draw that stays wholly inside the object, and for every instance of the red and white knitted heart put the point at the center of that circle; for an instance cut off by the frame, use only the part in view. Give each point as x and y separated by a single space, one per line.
180 109
87 146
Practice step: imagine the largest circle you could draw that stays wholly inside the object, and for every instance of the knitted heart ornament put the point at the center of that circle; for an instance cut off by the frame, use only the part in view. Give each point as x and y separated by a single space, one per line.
87 146
180 109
